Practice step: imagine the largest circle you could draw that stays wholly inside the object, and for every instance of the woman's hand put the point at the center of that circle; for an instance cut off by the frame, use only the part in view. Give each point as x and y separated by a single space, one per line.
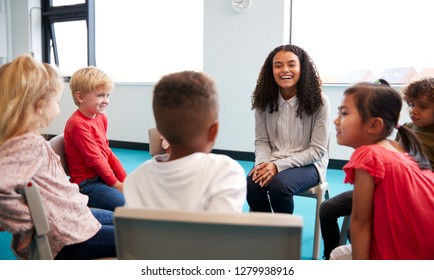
263 173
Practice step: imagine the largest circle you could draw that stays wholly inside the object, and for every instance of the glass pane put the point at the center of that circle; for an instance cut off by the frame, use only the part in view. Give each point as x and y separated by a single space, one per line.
71 38
67 2
139 41
351 41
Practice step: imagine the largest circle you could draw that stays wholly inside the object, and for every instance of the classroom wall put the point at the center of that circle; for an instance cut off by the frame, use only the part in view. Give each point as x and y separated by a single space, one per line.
235 47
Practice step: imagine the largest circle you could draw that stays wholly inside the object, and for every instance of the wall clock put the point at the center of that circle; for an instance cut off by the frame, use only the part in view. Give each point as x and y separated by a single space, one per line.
240 6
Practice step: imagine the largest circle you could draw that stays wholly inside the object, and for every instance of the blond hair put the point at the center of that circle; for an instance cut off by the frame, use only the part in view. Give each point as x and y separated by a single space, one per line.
88 79
25 84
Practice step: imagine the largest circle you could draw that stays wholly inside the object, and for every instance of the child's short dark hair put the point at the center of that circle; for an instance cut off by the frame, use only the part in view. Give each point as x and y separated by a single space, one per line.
417 89
183 104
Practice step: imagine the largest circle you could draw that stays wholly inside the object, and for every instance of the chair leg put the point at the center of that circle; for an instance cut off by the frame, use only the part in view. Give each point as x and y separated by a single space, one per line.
327 195
344 229
317 233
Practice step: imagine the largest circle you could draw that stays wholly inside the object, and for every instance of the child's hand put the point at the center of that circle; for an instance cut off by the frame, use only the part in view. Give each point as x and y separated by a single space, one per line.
21 243
119 186
24 241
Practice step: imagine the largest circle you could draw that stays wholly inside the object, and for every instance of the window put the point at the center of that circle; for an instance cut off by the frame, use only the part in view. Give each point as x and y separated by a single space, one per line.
142 40
350 41
57 3
134 40
71 50
68 34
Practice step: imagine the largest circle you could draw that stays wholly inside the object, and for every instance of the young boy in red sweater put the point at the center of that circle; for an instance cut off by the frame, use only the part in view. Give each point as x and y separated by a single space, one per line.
91 163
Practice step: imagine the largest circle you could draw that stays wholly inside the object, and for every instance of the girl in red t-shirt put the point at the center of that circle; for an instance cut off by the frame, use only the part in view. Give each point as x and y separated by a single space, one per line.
393 198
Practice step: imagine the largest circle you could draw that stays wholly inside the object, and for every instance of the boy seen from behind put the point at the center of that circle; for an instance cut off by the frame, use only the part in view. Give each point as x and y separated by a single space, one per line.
185 106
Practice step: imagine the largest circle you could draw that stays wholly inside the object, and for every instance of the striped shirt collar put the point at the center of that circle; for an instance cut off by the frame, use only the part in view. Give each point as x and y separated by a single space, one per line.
293 101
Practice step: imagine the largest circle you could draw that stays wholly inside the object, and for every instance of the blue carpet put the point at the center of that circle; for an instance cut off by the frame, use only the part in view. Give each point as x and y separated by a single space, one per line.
304 207
5 247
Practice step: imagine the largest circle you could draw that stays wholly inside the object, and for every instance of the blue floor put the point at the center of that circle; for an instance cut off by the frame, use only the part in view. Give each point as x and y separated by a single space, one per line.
304 207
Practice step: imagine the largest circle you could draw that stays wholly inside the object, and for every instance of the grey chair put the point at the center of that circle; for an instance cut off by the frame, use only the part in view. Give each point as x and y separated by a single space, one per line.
155 142
320 192
344 229
40 247
150 234
58 145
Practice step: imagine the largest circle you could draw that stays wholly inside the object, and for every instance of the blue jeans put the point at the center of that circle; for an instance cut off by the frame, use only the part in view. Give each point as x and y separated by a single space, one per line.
281 189
100 195
101 245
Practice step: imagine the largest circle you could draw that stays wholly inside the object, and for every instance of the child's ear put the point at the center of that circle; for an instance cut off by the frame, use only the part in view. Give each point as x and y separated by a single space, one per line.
213 131
79 96
39 107
375 125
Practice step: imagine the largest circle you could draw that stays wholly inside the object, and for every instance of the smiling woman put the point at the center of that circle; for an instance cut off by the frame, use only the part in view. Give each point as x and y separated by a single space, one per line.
291 131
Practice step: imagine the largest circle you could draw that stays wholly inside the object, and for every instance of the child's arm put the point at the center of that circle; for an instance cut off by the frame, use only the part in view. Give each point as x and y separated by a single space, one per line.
85 138
20 159
361 215
117 167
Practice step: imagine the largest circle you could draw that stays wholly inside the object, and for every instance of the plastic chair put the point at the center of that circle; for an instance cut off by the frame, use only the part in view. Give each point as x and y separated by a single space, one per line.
155 142
321 193
344 229
151 234
40 247
58 145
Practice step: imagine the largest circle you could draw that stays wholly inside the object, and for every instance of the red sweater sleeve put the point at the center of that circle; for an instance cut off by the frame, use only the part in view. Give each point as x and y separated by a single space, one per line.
117 167
87 151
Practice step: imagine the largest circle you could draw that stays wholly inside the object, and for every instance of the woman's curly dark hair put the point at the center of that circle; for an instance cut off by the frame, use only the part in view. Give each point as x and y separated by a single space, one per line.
422 88
266 93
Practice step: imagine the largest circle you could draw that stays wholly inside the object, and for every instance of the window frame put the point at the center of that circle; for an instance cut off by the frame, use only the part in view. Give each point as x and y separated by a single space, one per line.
53 14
